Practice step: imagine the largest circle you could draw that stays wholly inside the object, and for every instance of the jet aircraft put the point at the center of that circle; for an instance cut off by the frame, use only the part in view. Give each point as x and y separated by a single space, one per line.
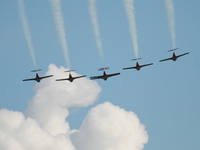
71 79
37 78
137 66
174 56
105 76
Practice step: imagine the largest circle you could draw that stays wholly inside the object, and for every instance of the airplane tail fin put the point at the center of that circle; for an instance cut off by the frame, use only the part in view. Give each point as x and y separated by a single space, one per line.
37 76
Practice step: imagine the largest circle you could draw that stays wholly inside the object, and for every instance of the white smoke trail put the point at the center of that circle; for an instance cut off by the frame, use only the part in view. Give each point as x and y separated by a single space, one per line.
171 21
58 18
26 29
94 19
130 14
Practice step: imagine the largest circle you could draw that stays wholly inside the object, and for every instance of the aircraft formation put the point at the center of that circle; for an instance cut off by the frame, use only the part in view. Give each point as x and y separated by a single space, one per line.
105 76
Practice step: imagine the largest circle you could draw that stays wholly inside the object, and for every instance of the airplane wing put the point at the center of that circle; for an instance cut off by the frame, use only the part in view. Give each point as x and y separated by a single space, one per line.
165 59
62 79
69 78
114 74
29 79
79 77
182 54
129 68
46 76
96 77
101 77
146 65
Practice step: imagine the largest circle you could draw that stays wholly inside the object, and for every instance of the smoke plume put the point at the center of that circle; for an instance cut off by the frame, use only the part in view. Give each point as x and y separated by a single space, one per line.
94 19
26 30
171 21
58 18
130 14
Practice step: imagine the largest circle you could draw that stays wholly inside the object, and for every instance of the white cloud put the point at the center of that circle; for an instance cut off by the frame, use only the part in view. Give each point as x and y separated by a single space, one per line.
49 105
109 127
43 125
19 133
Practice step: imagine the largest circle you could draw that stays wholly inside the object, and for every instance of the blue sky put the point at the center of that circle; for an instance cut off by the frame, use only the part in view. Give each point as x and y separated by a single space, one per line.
165 96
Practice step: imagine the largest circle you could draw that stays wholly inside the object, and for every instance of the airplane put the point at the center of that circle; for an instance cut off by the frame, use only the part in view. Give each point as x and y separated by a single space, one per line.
138 66
38 78
71 79
174 56
105 76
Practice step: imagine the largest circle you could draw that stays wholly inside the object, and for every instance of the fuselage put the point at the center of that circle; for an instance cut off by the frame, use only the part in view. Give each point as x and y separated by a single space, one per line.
105 76
137 67
37 78
174 57
71 79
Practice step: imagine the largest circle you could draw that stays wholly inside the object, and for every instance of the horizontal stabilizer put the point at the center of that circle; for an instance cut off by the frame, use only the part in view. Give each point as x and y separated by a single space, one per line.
36 70
105 68
172 49
136 59
69 70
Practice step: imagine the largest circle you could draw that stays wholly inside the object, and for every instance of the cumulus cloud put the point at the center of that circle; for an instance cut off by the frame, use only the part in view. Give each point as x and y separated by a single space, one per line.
109 127
49 105
20 133
43 124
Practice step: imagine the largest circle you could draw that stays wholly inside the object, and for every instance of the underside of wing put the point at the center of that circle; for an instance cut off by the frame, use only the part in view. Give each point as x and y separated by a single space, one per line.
165 59
46 76
129 68
29 79
183 54
96 77
62 79
114 74
146 65
79 77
